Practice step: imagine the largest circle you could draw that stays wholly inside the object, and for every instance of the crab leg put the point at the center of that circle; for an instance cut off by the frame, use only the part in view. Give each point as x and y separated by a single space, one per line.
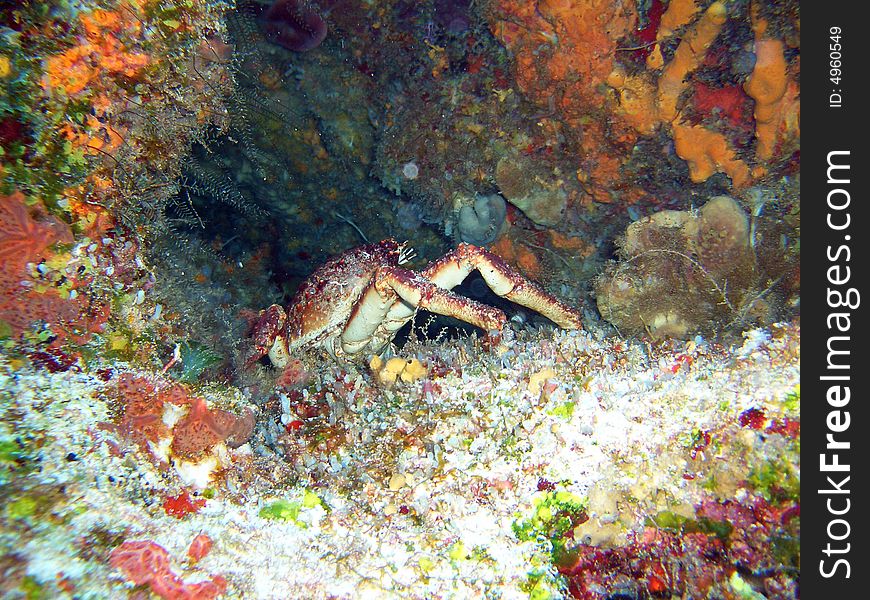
268 339
394 286
452 269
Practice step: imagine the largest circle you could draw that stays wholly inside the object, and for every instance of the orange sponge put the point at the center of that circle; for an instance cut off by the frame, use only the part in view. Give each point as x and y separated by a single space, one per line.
708 152
687 57
679 13
774 98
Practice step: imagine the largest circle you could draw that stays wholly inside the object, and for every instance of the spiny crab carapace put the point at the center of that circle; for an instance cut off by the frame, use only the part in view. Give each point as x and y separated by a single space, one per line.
355 303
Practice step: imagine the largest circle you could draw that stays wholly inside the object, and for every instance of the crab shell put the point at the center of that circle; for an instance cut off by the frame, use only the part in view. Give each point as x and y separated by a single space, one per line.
326 301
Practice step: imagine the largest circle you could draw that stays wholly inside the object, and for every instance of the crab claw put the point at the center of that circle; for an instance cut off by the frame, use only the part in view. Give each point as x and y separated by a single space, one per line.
266 331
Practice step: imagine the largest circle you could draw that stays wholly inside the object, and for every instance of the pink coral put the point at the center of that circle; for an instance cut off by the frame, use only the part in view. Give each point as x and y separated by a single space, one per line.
142 419
195 434
24 238
147 563
203 427
26 234
199 548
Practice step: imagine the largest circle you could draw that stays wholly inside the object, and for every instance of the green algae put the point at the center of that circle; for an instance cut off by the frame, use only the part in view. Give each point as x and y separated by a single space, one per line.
564 410
282 510
291 510
742 589
792 401
17 457
682 525
21 508
12 457
555 514
776 480
32 589
196 359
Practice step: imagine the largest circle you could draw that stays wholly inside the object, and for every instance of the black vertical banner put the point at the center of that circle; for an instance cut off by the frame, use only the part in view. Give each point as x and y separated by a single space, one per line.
835 440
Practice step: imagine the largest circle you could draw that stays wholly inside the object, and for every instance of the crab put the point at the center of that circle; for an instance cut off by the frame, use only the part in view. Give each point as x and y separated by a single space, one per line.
355 303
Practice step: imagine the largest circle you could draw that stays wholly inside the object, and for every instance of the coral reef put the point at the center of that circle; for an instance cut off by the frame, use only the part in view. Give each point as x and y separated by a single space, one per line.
167 168
79 66
588 48
58 296
776 95
147 563
687 58
619 467
696 557
152 418
706 153
577 41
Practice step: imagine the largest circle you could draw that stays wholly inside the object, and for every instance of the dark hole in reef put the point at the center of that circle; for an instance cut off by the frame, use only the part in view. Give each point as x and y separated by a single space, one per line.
234 232
432 326
439 327
215 230
244 194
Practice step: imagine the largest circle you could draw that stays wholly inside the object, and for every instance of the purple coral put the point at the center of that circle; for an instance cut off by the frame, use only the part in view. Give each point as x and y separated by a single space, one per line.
453 15
293 24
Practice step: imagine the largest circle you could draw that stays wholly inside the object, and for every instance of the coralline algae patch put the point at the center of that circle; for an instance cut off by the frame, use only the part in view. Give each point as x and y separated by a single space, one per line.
624 432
